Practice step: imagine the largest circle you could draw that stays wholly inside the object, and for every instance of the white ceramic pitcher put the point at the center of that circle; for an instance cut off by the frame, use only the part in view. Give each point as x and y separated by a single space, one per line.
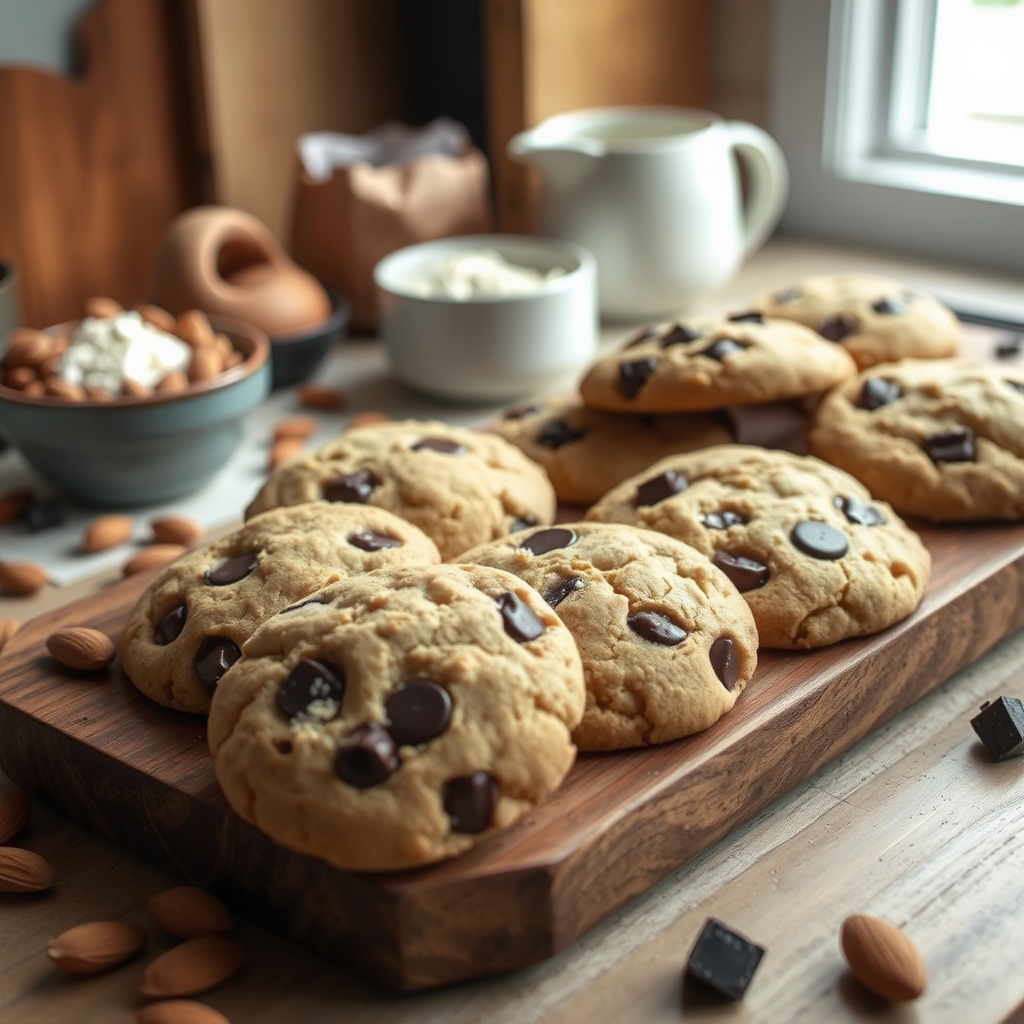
654 193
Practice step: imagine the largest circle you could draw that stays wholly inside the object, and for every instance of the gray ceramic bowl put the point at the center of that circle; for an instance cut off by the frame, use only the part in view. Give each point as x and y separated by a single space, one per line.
139 451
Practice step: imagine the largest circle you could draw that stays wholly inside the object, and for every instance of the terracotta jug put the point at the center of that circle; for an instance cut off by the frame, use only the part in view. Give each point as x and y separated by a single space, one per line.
223 260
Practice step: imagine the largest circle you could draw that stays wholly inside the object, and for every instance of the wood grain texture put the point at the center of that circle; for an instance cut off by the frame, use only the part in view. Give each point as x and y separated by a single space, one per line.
623 821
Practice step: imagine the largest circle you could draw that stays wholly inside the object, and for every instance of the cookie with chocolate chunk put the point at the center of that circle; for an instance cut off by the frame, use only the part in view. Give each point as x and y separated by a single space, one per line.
667 641
816 557
586 452
942 439
713 362
460 486
188 627
413 713
876 319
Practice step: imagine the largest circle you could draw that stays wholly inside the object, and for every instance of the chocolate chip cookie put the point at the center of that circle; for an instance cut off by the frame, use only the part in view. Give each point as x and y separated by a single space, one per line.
713 362
667 641
876 319
942 439
816 557
405 715
187 628
586 452
460 486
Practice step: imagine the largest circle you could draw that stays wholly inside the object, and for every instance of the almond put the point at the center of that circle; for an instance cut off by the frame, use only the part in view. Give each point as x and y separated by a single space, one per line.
22 577
364 419
107 532
157 316
179 1011
15 810
102 307
205 363
81 648
96 394
96 946
153 557
133 389
8 627
60 388
283 450
315 397
303 427
172 383
23 871
29 349
20 377
882 958
14 503
194 966
193 327
176 530
187 911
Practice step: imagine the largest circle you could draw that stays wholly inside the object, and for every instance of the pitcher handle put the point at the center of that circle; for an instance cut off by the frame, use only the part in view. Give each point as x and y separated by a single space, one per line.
768 181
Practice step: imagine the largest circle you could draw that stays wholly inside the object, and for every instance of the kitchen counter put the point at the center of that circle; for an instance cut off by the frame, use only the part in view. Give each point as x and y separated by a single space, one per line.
915 824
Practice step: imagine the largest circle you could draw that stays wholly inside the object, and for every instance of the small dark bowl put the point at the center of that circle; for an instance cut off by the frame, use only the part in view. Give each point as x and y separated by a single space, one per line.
296 357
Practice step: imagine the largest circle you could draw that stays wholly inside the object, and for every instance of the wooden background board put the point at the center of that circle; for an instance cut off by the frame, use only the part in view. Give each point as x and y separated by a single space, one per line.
142 775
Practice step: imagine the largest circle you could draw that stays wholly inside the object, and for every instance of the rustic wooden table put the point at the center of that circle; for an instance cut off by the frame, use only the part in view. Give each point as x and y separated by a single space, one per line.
915 824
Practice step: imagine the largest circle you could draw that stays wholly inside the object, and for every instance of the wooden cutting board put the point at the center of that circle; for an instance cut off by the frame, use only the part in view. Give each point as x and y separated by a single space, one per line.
134 771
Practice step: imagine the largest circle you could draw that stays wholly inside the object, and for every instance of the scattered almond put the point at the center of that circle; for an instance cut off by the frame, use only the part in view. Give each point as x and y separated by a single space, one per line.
315 397
14 503
96 946
176 530
194 966
364 419
102 307
107 532
15 810
302 427
179 1011
8 627
23 871
22 578
186 911
882 958
153 557
82 648
283 450
157 317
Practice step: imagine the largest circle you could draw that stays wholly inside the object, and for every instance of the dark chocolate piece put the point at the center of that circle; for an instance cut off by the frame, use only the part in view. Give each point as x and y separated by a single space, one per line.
724 661
216 654
837 327
660 487
860 512
679 335
657 628
469 802
439 444
1000 726
819 540
751 316
876 392
559 591
231 570
518 618
722 348
634 375
313 689
521 523
418 712
557 433
745 573
543 541
366 757
371 540
648 331
45 513
724 959
1008 345
169 628
352 487
956 445
890 306
723 520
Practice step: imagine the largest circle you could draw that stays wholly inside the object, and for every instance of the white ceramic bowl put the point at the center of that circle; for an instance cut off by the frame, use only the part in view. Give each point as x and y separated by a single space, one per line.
488 347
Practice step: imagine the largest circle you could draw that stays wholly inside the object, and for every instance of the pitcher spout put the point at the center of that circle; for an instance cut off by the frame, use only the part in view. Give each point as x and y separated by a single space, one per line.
562 160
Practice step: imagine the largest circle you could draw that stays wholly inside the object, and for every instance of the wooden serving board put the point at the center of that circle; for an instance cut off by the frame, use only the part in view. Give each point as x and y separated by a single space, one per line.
142 775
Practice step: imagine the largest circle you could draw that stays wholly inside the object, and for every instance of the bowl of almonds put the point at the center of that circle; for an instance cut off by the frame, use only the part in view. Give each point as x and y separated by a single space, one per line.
131 407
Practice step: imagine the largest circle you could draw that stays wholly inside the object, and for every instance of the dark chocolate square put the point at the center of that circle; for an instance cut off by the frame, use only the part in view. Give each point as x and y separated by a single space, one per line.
723 959
1000 726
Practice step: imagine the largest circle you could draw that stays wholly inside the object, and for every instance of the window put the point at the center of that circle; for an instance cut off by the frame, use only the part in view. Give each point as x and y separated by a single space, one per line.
903 124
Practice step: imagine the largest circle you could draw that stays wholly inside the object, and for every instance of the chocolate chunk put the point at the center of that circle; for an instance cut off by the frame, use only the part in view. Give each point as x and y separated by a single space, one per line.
648 331
169 628
657 628
876 392
1000 726
955 445
722 348
521 523
838 327
788 294
634 374
418 712
518 618
660 487
890 306
524 409
231 570
366 757
724 661
216 654
559 591
680 335
745 573
819 540
752 316
370 540
556 433
1008 345
723 520
45 513
543 541
724 959
469 802
313 689
352 487
439 444
860 512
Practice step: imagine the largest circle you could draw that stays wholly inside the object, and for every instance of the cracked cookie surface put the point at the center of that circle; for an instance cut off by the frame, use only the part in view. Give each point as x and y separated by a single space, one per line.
667 641
460 486
940 439
816 557
412 713
188 626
